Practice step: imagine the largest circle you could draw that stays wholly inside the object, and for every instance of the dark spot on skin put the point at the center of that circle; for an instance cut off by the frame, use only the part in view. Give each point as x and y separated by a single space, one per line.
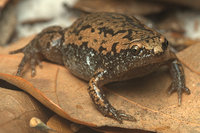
106 31
85 27
129 35
120 31
101 49
95 40
103 41
80 38
84 43
92 30
165 44
82 46
114 47
82 28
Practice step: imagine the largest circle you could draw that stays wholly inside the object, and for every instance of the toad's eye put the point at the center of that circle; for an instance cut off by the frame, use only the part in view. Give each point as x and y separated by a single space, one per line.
165 44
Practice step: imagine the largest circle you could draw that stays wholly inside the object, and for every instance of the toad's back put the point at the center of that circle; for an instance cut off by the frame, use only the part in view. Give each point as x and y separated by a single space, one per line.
95 40
104 29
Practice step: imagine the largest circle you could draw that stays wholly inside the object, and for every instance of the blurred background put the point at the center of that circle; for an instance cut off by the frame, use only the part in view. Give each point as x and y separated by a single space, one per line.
178 20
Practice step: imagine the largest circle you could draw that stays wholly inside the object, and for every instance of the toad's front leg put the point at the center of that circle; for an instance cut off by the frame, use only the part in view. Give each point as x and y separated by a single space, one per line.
178 79
100 101
46 45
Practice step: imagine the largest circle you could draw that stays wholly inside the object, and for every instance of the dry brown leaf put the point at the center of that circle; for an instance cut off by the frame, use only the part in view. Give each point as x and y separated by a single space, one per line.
144 98
59 124
126 7
62 125
16 109
190 57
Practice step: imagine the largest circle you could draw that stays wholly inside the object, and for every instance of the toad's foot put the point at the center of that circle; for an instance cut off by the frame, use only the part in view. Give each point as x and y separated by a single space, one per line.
32 57
179 89
100 101
109 111
178 80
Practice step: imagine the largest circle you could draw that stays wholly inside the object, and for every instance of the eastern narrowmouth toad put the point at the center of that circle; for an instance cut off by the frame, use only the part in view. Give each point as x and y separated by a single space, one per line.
103 48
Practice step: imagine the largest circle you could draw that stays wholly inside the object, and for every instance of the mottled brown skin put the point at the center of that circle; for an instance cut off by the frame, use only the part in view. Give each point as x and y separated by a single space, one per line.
103 48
